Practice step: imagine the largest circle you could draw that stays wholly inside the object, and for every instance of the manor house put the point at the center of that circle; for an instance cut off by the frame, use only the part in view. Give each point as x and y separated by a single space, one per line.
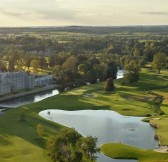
11 82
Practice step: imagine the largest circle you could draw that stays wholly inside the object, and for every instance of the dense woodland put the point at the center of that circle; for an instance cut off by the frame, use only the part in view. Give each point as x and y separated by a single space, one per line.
76 55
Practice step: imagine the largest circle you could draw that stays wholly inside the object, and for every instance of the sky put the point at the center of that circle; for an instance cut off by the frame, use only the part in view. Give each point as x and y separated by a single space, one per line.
18 13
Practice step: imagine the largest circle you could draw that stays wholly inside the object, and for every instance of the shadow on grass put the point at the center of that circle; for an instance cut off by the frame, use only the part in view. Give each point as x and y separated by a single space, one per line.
4 140
164 105
11 126
12 129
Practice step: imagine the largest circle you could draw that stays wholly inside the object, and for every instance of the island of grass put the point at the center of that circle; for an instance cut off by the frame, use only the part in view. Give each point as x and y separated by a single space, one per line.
121 151
18 138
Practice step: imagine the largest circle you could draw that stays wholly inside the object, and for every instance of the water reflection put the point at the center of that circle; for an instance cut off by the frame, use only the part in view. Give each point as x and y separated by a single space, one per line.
103 158
120 74
37 97
29 99
108 126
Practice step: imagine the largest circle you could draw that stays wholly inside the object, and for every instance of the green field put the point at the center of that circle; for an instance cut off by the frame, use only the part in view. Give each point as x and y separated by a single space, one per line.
18 138
121 151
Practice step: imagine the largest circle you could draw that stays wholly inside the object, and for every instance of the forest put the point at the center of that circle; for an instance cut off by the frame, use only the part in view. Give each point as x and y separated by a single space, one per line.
76 54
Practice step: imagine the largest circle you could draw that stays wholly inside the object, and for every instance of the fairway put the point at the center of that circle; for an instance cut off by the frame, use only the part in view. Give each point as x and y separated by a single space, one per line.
18 138
121 151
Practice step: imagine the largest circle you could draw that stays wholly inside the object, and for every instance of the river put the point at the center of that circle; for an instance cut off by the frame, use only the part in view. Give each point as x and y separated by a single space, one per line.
13 103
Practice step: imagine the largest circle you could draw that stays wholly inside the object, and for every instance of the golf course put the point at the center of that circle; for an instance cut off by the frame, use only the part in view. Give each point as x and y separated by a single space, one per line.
18 139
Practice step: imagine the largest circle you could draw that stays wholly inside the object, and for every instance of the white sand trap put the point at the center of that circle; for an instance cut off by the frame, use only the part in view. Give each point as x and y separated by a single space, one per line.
162 149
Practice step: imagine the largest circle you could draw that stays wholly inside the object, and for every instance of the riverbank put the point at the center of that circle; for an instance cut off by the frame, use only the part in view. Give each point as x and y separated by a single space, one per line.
29 92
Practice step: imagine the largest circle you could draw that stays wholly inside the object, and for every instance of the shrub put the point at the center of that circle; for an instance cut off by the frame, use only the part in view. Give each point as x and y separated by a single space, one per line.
109 85
162 113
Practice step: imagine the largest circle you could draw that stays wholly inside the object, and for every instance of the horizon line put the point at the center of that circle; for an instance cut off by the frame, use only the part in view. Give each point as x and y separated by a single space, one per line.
63 26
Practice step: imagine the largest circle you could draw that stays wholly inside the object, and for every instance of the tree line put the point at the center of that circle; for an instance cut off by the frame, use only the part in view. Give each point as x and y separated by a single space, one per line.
89 60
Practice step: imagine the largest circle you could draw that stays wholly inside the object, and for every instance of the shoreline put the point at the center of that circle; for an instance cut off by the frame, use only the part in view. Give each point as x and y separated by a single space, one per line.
41 89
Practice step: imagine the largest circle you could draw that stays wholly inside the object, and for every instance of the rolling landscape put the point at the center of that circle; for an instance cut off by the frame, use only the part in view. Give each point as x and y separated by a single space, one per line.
81 82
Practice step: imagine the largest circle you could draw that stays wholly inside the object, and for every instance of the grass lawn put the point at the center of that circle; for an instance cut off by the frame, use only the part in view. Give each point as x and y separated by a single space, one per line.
121 151
127 100
162 131
18 138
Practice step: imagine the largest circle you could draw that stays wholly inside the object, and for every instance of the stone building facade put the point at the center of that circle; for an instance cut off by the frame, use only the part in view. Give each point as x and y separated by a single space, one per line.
43 80
14 81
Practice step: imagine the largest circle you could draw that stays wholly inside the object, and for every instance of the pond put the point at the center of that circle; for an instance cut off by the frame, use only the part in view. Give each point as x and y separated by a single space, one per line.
107 126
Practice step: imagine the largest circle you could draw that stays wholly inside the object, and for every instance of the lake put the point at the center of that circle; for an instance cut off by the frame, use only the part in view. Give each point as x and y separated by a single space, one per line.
108 126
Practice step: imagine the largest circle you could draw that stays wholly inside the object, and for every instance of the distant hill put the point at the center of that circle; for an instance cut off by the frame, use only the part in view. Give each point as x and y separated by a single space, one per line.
88 29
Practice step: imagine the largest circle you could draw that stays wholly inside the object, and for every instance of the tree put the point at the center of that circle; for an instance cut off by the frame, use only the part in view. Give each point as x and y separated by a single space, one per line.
3 66
88 146
28 59
142 62
92 76
166 60
39 131
11 65
57 70
132 73
156 103
62 146
109 85
42 62
71 63
69 146
159 61
51 60
20 64
101 70
34 64
83 68
112 70
136 52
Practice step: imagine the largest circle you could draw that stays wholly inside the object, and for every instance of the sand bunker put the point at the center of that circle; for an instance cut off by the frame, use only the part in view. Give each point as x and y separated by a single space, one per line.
162 149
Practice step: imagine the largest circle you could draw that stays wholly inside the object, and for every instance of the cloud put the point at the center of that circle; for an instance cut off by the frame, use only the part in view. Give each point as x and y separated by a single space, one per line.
37 9
12 14
59 13
155 13
78 12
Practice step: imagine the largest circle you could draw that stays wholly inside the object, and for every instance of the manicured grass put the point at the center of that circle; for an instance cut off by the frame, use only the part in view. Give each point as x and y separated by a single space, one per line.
121 151
163 92
127 100
152 81
162 131
18 138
